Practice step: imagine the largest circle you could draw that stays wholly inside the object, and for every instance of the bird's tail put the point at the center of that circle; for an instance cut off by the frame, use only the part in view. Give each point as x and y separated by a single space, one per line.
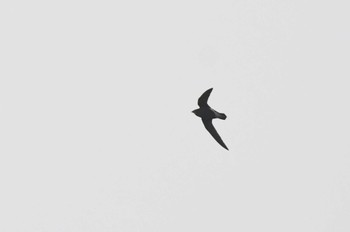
221 116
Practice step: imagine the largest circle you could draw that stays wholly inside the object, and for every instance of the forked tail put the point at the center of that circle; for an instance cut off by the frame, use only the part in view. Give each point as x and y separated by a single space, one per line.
220 115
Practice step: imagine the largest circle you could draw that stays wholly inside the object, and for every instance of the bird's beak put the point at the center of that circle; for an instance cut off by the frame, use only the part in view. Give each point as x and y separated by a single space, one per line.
192 111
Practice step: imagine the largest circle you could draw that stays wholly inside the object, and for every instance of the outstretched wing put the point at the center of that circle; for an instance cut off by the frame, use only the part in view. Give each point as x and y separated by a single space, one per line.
202 101
211 129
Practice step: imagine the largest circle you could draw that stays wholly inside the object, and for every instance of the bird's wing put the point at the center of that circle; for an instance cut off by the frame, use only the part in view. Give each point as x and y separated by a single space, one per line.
202 101
211 129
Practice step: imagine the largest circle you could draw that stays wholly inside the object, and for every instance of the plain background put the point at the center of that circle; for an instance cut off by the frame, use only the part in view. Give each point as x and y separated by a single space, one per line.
96 127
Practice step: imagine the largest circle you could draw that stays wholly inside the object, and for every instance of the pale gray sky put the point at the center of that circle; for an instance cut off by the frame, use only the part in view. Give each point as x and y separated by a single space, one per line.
97 133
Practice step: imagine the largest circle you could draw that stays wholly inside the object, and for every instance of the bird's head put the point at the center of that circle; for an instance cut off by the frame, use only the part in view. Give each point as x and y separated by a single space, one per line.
196 112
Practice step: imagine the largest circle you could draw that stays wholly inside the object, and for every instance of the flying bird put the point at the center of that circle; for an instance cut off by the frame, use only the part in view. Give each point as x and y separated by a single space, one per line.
208 114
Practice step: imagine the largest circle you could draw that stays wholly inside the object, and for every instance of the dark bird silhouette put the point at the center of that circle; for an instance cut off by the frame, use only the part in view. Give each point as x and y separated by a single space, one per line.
208 114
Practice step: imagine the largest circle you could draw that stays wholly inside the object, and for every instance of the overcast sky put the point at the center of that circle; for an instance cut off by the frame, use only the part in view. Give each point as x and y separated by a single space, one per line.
97 133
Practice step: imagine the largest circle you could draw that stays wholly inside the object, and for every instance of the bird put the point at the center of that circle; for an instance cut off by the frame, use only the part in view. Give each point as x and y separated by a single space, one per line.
208 114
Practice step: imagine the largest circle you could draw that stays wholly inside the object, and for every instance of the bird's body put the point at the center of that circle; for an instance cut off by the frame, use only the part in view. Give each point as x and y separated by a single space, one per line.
208 114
